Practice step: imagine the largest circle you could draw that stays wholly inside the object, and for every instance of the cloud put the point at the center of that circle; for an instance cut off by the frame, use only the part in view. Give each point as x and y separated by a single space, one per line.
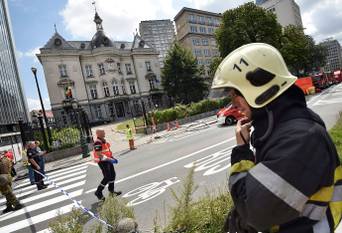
31 53
119 20
34 104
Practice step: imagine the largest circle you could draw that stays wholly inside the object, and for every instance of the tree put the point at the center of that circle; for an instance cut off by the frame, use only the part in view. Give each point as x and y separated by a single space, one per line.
213 66
247 24
181 77
300 51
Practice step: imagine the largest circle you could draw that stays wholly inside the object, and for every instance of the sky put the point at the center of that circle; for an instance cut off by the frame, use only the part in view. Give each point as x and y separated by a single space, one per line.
33 25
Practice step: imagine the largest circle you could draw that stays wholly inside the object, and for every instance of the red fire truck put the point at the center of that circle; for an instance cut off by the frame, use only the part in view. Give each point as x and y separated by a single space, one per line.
338 76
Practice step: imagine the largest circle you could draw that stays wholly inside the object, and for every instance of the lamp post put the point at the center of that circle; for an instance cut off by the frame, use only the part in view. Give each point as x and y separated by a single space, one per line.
34 71
83 140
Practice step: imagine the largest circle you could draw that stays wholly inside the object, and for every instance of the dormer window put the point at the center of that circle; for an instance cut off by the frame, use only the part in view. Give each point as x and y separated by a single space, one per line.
58 42
148 66
128 68
62 71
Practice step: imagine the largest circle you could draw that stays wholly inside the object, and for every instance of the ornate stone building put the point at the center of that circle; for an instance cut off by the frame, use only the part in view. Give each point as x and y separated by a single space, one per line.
110 80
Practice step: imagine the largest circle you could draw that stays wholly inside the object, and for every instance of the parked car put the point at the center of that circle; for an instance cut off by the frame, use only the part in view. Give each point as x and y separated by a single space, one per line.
229 115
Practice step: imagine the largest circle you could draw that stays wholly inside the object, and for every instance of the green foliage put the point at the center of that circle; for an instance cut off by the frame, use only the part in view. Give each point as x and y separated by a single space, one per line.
69 223
299 50
181 77
213 66
336 135
207 215
247 24
112 211
68 137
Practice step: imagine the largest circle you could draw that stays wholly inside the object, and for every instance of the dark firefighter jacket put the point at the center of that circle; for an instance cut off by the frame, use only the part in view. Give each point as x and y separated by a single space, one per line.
293 182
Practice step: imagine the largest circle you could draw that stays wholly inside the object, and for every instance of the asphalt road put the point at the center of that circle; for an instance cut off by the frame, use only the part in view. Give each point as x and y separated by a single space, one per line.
147 175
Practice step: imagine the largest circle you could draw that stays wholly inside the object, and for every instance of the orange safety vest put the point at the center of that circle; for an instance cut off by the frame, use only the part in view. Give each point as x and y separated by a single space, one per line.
104 152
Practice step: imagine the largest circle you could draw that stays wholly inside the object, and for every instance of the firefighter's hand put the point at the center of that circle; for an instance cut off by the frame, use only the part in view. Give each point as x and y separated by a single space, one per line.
242 131
38 168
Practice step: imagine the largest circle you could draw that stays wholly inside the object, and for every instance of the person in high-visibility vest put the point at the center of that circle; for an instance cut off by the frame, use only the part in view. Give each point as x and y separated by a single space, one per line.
129 136
103 156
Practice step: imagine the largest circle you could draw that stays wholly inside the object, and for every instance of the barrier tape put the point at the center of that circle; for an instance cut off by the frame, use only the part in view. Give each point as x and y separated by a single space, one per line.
77 203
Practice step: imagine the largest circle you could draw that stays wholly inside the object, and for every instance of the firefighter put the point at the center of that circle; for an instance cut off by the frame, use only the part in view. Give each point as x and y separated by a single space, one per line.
103 156
10 156
293 182
12 202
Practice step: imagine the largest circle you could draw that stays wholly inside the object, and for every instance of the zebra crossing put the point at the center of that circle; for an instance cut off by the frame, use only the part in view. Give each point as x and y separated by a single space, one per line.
40 207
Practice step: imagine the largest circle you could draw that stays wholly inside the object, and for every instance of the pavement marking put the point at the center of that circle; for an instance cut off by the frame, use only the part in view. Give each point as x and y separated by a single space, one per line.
3 200
67 172
47 230
37 219
18 191
49 174
46 194
310 102
168 163
40 205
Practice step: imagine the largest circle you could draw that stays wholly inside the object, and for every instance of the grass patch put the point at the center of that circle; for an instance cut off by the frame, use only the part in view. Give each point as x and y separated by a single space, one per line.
138 122
336 135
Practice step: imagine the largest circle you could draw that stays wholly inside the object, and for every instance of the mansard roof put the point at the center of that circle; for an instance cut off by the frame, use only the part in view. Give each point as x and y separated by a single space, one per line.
57 42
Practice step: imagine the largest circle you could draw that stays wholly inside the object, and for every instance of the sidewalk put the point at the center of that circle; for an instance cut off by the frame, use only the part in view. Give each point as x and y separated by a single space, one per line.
119 145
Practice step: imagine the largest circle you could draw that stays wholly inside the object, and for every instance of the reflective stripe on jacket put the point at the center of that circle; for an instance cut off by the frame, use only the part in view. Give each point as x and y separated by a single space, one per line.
106 152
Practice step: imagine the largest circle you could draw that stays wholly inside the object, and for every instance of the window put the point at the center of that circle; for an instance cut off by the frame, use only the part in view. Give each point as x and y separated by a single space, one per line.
205 42
93 91
102 69
196 42
106 89
63 70
151 82
119 68
98 112
89 71
206 52
148 66
115 88
123 87
210 30
128 68
192 19
207 61
193 29
132 87
201 19
197 52
210 20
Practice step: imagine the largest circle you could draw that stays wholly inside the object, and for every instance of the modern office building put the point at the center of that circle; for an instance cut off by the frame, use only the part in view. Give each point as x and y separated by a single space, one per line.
334 56
287 11
110 80
195 31
160 34
13 105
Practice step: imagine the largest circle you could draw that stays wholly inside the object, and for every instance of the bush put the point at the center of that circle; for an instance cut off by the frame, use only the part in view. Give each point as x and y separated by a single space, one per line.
69 223
207 215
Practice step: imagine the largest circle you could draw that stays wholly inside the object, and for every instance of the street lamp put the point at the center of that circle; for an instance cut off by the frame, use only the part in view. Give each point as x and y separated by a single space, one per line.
84 145
34 71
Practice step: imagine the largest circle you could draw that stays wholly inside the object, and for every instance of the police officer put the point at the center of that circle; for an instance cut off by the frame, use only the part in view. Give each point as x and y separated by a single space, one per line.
6 185
103 156
34 156
293 182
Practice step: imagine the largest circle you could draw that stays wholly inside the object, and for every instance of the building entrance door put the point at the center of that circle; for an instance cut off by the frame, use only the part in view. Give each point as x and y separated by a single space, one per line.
120 110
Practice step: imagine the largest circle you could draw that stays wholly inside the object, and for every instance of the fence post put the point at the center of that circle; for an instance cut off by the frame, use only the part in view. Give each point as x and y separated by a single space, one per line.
42 130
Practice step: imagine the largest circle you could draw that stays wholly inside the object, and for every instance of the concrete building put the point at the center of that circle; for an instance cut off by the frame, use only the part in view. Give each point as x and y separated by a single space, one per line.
195 31
160 34
287 11
110 80
13 106
334 56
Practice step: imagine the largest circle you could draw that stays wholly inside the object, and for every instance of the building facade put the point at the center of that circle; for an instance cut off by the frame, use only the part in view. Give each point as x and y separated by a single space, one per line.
287 11
195 31
334 56
110 80
160 34
13 105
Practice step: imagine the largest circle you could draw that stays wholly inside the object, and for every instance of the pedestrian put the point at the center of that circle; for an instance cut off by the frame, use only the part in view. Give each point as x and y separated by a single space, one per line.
103 156
12 202
10 156
293 181
42 159
34 156
27 163
129 136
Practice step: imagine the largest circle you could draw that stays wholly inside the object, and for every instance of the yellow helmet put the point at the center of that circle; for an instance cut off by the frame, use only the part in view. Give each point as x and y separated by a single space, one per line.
257 70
